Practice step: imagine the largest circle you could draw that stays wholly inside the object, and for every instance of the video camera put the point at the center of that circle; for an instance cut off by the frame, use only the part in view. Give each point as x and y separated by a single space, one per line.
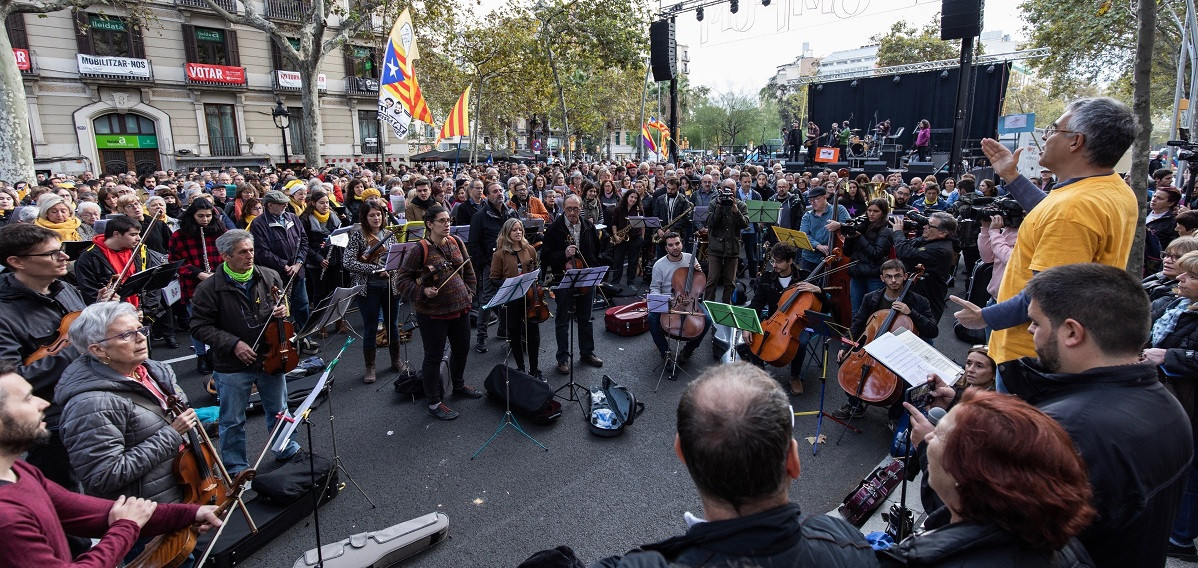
1186 149
972 207
914 221
856 225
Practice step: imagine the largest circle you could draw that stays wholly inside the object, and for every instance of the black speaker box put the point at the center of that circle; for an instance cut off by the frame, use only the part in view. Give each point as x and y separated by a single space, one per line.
662 50
960 19
794 167
921 169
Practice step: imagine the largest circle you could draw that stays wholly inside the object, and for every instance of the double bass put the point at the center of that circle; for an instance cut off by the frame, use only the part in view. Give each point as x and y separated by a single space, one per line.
685 319
778 342
863 376
839 280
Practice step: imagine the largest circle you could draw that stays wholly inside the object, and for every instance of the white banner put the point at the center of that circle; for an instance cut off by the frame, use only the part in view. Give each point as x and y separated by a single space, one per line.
125 66
291 80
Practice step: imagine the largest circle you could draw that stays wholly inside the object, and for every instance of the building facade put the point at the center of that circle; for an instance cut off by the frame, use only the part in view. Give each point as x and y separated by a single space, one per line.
184 88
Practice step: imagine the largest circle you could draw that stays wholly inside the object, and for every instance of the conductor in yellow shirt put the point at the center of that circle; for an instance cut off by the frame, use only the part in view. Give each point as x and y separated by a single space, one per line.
1090 216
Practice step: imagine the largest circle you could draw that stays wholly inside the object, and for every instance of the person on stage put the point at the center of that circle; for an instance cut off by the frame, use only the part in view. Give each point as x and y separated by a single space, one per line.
794 142
514 256
36 514
230 312
365 259
923 140
572 239
442 303
812 138
662 283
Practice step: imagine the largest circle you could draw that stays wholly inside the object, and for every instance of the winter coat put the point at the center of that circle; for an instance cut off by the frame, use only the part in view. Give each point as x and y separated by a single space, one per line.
1179 372
279 242
222 315
936 256
724 224
973 544
28 321
869 250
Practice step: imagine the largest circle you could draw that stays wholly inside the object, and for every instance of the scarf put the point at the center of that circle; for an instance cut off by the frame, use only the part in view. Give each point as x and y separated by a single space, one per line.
296 207
237 204
67 230
322 218
238 277
423 203
249 219
1168 321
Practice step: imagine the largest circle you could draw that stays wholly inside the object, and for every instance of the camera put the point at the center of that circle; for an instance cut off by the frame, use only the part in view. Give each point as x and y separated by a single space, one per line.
971 206
1011 211
857 224
914 221
726 198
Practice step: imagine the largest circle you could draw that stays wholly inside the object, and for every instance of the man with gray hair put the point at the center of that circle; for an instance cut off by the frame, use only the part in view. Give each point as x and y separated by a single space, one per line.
736 437
229 312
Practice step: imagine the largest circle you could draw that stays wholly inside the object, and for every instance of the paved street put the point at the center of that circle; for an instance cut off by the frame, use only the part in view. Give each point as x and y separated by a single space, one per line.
600 496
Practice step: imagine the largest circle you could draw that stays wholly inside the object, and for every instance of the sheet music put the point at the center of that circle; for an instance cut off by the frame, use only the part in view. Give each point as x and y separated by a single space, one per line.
911 358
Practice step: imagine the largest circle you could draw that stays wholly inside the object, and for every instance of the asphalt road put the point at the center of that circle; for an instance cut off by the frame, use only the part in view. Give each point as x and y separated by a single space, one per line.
601 496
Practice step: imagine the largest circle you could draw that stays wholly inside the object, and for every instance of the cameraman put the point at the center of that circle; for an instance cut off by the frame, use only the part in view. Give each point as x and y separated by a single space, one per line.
934 250
725 220
995 243
868 242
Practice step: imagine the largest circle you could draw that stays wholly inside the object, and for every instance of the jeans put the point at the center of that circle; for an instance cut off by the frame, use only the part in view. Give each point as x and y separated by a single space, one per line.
566 302
376 298
433 333
299 305
1185 524
859 287
659 335
234 393
721 276
196 345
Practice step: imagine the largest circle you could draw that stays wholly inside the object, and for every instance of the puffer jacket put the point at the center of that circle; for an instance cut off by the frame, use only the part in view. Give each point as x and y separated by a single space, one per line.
119 447
1179 372
972 544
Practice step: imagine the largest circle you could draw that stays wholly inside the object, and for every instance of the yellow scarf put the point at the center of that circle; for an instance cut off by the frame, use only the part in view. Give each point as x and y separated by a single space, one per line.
297 207
67 230
322 218
249 219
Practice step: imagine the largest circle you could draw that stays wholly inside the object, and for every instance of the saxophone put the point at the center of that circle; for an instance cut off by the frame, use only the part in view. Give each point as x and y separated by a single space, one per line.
690 206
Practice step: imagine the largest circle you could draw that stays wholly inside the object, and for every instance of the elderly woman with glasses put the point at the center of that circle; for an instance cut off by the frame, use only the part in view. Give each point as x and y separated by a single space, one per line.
115 426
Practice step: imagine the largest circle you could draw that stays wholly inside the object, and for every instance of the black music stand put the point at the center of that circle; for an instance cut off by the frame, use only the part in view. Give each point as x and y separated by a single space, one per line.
700 214
149 280
511 290
333 310
75 248
822 324
461 232
573 279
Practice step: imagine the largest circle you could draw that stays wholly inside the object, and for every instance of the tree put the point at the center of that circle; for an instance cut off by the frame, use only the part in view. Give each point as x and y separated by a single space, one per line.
1142 107
904 44
731 118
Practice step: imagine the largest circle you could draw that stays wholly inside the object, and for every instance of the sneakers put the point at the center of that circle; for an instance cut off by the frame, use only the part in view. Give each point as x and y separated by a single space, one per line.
204 364
466 391
442 412
1183 553
481 345
849 410
685 355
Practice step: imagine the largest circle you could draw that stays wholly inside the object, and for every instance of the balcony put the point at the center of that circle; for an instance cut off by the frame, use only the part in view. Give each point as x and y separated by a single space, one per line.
224 146
290 82
229 5
220 77
114 70
360 87
288 10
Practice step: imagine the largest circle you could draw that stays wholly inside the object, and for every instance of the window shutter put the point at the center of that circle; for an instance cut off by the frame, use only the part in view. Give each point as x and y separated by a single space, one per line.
349 61
136 44
276 58
189 44
16 31
83 41
231 46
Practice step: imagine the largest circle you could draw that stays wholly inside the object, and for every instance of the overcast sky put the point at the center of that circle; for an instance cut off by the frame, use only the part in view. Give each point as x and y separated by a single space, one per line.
743 51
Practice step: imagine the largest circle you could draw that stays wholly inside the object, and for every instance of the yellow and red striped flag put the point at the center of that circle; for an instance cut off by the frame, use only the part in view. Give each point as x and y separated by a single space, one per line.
400 98
458 123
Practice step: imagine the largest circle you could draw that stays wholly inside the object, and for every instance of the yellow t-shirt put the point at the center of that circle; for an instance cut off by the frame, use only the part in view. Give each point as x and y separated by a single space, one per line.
1091 220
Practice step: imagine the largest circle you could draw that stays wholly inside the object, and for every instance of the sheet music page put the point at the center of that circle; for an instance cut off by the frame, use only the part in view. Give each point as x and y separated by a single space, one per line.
944 367
911 362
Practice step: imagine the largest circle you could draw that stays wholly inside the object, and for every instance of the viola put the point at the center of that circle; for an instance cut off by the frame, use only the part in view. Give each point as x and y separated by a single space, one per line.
863 376
685 319
778 342
838 281
537 310
281 355
577 262
197 466
57 344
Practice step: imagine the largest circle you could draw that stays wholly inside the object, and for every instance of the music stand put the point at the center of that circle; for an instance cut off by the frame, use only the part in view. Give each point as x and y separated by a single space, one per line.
411 231
793 237
461 232
822 324
573 279
638 221
150 279
735 317
340 237
333 310
396 252
533 225
511 290
759 211
76 248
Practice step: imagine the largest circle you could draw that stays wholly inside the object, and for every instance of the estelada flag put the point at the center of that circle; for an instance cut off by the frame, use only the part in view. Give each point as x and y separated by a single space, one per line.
400 98
458 123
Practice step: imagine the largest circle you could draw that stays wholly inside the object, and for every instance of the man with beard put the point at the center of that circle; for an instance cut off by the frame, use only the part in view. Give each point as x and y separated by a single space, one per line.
35 513
1089 323
572 237
902 200
484 232
526 206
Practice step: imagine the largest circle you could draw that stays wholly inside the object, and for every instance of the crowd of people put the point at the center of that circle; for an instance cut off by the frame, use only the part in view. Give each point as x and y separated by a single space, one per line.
1069 331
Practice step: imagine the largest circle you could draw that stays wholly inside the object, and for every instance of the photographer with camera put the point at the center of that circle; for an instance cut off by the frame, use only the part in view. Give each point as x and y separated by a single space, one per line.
724 222
934 250
868 240
995 243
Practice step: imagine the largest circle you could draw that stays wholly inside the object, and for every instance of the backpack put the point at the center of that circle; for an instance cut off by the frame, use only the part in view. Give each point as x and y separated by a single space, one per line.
411 381
613 407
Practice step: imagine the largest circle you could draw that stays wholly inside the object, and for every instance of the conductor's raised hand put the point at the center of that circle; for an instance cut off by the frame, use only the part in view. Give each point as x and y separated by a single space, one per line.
970 314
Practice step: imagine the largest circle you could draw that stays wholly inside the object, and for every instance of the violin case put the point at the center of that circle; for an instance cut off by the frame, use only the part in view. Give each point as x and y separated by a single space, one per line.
381 548
628 320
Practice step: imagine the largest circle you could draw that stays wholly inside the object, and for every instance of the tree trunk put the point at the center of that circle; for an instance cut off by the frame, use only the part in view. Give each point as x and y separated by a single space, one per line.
16 153
561 97
1141 107
310 94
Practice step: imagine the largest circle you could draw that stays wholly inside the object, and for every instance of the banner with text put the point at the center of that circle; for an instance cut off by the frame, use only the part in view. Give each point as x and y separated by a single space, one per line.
125 66
291 80
22 56
215 74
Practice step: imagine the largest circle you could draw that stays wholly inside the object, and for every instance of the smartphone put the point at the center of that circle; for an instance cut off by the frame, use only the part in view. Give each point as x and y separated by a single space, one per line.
919 396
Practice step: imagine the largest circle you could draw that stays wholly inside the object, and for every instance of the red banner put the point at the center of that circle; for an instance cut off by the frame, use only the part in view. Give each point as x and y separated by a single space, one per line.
22 56
215 74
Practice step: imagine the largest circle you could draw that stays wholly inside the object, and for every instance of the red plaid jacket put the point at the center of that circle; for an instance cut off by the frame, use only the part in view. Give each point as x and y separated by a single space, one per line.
186 247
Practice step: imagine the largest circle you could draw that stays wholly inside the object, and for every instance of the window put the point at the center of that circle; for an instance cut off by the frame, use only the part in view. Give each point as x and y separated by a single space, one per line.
16 31
210 46
222 130
628 137
108 36
296 132
360 62
368 126
280 61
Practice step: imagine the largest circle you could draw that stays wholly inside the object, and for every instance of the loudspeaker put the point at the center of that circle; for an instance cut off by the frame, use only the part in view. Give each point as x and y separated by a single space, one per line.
662 50
875 167
960 19
920 168
794 167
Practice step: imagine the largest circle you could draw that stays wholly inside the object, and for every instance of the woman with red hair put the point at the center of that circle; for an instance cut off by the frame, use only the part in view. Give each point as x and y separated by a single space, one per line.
1014 487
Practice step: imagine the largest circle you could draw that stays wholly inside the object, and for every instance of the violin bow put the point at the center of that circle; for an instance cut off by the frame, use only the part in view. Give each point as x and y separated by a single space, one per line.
132 256
451 274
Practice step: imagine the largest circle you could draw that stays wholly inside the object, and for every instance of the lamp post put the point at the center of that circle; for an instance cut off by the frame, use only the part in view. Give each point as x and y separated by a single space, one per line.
282 120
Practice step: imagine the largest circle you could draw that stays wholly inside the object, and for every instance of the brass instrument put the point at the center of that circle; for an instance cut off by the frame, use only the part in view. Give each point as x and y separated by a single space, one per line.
690 206
621 235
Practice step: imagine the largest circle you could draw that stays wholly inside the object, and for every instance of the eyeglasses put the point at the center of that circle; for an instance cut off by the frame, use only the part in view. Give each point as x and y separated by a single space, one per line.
51 254
1048 132
931 226
576 208
130 335
441 221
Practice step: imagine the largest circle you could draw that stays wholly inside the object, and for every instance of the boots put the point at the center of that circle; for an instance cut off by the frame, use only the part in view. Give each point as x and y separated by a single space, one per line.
368 354
393 348
204 364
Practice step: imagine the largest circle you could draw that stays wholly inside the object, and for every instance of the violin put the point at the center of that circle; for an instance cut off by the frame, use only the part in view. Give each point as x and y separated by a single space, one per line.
778 342
281 355
536 310
686 319
860 374
577 262
57 344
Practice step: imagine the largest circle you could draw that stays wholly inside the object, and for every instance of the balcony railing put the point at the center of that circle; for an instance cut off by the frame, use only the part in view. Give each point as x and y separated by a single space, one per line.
290 82
291 10
357 86
229 5
224 146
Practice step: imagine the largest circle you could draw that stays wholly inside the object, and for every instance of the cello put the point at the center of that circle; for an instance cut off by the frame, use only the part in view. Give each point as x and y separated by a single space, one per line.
685 319
171 550
861 375
778 342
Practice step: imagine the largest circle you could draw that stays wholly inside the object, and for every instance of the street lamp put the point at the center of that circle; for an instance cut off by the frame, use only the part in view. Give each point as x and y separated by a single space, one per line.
282 120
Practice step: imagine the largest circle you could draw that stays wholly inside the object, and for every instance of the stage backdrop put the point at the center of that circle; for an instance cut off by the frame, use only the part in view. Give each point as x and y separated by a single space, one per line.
914 97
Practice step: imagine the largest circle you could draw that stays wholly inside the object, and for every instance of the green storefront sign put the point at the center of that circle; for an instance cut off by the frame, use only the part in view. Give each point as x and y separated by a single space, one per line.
125 141
209 35
107 24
